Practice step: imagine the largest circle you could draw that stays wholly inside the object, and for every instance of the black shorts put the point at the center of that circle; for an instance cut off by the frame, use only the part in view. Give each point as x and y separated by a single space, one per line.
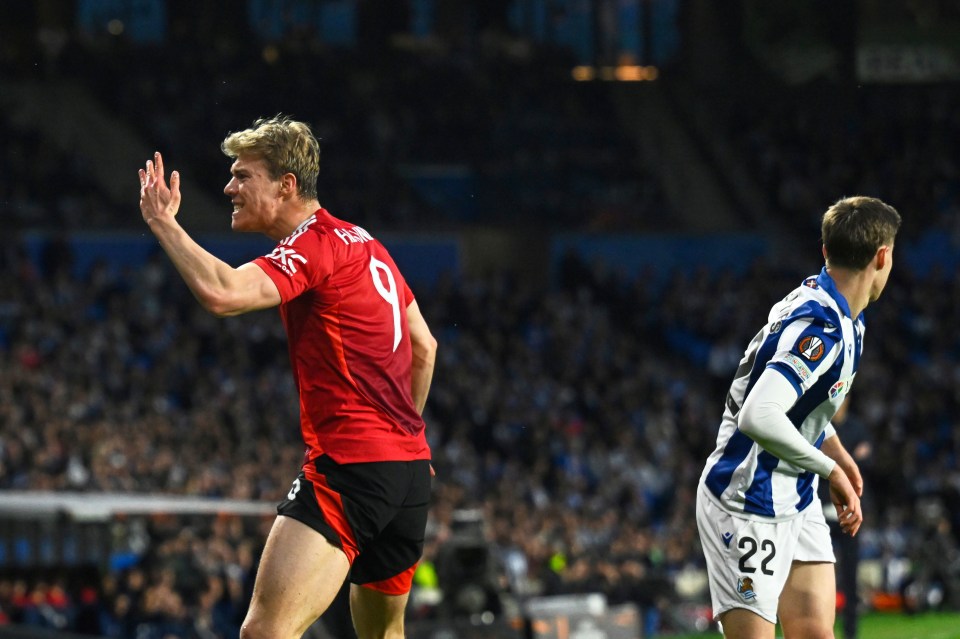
376 512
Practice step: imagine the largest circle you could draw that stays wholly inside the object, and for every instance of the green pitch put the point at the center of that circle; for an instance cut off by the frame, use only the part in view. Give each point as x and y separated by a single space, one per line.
891 626
898 626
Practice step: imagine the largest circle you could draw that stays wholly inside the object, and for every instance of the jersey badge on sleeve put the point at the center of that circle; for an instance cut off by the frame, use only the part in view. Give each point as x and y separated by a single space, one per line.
811 347
798 365
840 388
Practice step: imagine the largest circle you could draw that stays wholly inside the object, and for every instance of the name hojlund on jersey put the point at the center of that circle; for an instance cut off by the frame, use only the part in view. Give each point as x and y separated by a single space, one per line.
354 235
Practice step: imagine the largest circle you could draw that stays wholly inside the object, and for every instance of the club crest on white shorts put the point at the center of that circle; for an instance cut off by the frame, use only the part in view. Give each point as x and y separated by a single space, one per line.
745 588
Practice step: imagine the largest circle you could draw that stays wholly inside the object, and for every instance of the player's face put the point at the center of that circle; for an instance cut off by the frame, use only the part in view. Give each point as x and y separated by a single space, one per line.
254 194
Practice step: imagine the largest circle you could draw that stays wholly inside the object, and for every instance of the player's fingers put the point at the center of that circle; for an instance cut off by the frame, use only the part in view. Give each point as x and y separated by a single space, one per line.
159 161
175 186
851 519
854 526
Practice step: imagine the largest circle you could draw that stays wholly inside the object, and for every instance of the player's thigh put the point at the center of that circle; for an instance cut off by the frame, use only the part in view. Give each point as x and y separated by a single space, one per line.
808 602
741 623
389 559
375 613
299 575
748 560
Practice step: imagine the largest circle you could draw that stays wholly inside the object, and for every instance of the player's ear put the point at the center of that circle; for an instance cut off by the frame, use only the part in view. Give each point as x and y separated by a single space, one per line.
883 254
823 250
288 184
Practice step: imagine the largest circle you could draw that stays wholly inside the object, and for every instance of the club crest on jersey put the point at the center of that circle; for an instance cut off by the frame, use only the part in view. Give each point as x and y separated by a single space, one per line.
811 347
745 588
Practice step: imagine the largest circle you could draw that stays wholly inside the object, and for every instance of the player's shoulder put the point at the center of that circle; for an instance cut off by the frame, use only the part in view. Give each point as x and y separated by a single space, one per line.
811 303
340 232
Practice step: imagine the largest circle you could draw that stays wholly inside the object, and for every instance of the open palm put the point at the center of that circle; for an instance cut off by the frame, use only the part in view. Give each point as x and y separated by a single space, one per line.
157 200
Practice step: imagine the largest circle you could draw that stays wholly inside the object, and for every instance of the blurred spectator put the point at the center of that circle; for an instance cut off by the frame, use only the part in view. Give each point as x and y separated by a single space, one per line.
576 428
575 418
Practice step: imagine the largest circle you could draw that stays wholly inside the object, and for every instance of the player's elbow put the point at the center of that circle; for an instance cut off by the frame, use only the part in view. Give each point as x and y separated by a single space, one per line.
425 348
750 419
747 427
219 304
222 312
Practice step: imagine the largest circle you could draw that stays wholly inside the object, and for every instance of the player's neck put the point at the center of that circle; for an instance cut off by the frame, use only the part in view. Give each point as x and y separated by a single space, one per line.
855 287
291 217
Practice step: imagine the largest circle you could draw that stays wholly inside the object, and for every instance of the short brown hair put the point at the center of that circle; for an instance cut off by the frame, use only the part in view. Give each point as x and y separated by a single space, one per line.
855 227
285 146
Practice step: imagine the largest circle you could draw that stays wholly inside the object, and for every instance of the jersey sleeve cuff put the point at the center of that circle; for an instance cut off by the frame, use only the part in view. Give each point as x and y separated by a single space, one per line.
281 281
789 374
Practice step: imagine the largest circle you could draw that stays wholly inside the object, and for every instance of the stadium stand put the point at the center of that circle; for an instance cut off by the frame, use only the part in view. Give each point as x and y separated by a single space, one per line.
573 417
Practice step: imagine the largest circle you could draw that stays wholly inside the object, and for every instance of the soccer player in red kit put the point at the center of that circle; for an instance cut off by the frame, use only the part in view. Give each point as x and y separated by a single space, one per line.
362 358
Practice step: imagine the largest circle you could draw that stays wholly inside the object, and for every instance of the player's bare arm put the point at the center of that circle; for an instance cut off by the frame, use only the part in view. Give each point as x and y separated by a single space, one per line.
220 288
833 448
846 501
424 347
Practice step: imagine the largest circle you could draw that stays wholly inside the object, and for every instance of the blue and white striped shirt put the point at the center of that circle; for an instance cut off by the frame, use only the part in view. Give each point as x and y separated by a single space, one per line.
813 342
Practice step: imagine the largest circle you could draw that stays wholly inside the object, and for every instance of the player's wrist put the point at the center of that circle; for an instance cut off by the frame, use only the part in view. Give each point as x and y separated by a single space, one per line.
164 225
834 471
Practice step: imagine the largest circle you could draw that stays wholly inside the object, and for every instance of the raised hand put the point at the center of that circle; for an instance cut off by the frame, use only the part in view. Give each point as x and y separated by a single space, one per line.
157 200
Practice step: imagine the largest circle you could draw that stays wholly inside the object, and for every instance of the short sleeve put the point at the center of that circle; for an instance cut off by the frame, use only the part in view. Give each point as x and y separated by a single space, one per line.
807 348
300 262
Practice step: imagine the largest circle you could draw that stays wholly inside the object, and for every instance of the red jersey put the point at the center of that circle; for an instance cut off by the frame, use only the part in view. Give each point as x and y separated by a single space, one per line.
345 312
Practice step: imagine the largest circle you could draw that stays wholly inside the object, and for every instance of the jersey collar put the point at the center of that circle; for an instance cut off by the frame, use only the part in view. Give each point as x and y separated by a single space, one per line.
826 282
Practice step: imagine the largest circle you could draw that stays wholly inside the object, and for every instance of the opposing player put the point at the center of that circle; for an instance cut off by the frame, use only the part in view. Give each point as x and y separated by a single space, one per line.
765 540
362 358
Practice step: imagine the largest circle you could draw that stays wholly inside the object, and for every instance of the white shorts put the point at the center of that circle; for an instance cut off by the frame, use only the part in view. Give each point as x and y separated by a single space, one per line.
748 560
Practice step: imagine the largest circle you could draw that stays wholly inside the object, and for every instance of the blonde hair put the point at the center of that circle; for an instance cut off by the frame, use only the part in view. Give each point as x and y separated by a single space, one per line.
855 227
285 146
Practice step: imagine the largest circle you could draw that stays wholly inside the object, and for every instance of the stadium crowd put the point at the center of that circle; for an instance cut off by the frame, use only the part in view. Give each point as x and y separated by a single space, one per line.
814 142
576 418
562 161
